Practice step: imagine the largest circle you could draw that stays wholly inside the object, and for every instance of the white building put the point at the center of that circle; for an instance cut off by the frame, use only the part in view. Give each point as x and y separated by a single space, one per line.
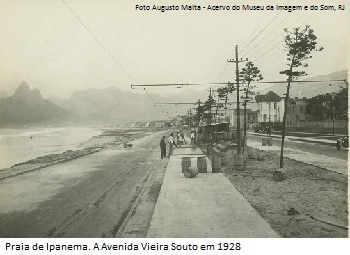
271 109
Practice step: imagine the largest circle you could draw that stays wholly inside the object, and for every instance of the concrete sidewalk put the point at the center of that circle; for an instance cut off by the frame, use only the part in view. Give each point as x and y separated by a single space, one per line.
205 206
330 142
329 163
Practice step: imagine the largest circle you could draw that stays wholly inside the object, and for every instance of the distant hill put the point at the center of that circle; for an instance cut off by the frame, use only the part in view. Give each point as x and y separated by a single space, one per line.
27 107
309 90
110 103
98 106
124 106
115 105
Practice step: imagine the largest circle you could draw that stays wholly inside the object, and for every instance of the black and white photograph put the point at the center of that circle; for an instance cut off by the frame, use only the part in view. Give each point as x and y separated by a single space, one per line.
174 119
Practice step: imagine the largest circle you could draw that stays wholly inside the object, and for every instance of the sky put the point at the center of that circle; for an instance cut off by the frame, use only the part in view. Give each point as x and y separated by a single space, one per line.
61 46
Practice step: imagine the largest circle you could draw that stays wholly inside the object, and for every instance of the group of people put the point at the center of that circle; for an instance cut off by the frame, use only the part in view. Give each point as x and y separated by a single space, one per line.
171 142
179 139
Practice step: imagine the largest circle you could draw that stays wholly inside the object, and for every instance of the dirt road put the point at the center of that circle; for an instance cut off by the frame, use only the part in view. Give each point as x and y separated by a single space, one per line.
86 197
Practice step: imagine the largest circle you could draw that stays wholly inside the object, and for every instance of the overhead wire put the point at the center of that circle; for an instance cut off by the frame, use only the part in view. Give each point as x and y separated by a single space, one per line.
274 46
275 36
269 35
256 29
98 41
103 47
328 85
268 24
261 33
223 70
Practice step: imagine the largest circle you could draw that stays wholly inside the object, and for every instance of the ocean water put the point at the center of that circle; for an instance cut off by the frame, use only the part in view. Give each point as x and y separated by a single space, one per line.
20 145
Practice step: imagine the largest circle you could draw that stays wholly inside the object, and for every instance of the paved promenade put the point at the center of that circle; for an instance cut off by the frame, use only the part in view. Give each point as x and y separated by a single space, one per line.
205 206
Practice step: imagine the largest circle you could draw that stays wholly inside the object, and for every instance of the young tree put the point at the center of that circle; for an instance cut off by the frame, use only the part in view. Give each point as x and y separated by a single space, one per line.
199 114
299 43
249 73
207 108
224 92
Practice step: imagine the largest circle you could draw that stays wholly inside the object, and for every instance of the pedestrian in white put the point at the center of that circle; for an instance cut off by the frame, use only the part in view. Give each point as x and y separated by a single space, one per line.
171 142
179 139
192 137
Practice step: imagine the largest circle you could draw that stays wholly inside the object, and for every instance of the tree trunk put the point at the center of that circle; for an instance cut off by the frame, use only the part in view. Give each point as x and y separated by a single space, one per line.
245 116
285 112
226 103
284 123
280 175
244 124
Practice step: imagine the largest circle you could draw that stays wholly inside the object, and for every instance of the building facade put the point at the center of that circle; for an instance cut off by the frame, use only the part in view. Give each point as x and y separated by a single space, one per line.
252 118
271 109
296 112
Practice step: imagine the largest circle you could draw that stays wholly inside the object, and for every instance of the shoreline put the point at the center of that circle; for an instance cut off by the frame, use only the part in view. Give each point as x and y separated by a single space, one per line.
107 138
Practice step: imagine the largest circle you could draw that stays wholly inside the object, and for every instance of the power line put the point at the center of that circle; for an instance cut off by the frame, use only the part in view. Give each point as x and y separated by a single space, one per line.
306 92
268 24
221 73
103 47
268 50
251 51
99 42
256 29
303 22
179 84
300 82
274 37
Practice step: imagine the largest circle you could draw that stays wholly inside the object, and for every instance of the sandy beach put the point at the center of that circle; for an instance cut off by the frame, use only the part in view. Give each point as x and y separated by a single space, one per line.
30 150
20 145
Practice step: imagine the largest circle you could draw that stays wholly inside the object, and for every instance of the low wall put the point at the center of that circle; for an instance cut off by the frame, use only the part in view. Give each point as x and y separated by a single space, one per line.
324 127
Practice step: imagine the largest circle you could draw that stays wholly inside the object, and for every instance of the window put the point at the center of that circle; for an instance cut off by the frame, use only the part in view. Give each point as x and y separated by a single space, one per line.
275 118
275 105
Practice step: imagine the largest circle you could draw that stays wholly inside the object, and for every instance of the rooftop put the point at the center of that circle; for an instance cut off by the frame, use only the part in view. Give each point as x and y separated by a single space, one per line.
269 97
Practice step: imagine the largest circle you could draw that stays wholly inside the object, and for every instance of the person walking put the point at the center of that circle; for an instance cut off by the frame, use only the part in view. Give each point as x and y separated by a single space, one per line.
268 131
183 137
192 137
171 142
179 139
162 148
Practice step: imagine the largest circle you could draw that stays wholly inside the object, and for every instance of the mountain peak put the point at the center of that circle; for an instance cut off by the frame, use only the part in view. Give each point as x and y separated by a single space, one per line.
23 92
36 93
23 88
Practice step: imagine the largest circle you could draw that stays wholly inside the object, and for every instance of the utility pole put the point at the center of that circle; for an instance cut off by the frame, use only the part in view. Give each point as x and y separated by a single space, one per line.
199 113
188 118
269 119
210 107
238 110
